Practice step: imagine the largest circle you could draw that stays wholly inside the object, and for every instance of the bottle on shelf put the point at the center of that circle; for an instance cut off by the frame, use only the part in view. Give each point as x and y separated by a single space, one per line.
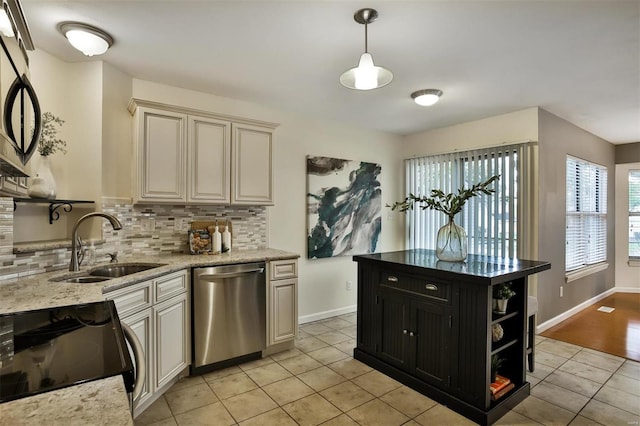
216 240
226 238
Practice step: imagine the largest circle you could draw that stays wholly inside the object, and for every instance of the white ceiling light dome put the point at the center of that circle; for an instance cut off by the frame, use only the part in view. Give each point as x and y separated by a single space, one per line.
426 97
86 38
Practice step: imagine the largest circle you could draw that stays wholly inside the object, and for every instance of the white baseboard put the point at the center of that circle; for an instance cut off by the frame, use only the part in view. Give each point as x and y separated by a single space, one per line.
557 320
327 314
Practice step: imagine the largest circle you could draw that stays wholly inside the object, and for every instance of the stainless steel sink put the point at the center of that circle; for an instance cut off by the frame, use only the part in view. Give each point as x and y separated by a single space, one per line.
84 280
122 269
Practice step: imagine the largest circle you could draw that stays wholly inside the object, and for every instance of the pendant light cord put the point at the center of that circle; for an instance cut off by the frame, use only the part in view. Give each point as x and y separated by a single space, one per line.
366 38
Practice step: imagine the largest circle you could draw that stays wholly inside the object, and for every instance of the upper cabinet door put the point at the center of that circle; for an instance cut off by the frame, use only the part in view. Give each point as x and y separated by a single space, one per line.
209 161
252 177
161 150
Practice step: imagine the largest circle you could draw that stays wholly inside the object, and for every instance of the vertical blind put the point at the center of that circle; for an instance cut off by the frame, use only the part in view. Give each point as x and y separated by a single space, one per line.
634 214
586 227
491 221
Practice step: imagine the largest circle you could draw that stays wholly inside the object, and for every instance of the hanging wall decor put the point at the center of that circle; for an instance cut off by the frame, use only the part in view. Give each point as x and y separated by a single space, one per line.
343 207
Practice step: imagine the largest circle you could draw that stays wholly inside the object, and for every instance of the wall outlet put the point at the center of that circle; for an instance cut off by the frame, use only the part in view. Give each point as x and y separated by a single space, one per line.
178 224
561 291
349 285
148 224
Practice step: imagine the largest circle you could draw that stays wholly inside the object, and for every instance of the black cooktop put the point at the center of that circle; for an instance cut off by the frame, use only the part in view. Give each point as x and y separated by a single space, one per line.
53 348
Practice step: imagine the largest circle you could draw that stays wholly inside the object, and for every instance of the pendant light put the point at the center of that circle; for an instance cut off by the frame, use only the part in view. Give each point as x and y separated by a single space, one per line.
366 75
426 97
86 38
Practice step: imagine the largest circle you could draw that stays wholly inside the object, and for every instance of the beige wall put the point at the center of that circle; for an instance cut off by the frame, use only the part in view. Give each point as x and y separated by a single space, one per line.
73 92
322 290
628 153
518 126
557 139
117 133
627 277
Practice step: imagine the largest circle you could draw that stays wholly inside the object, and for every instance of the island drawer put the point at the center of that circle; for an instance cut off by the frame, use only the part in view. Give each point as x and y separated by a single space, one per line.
435 290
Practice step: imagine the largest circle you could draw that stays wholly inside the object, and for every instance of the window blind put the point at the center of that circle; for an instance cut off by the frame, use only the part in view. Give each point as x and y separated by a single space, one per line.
586 220
491 221
634 214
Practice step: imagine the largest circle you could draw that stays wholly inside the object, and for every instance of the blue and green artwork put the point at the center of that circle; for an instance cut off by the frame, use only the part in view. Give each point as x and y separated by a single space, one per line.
343 207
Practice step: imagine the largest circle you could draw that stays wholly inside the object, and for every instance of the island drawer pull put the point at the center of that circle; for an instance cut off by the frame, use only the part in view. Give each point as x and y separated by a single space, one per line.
392 279
431 287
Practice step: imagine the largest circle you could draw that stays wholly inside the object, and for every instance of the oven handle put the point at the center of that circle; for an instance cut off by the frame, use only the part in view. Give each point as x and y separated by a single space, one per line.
141 365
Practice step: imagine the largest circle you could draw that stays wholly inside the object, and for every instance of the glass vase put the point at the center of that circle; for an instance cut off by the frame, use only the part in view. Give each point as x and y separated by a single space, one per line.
43 185
451 243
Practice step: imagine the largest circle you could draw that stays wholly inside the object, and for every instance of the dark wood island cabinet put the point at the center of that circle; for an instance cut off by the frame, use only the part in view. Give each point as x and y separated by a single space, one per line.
428 324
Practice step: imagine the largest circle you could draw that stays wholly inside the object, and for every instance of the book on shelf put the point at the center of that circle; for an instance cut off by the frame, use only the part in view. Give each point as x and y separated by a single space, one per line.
502 392
499 384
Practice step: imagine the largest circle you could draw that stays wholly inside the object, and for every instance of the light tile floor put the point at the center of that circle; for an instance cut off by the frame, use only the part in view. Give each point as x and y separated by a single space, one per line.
319 382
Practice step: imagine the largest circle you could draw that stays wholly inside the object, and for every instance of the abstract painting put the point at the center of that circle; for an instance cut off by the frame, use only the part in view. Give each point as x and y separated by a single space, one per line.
344 205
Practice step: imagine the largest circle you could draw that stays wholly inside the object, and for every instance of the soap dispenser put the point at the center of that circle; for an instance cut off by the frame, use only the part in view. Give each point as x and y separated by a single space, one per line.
226 238
216 240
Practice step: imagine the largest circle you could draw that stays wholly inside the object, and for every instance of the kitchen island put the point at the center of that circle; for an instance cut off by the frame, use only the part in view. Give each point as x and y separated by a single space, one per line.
101 401
428 324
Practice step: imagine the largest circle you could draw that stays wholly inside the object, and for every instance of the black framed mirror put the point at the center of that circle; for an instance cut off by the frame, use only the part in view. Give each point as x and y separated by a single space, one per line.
22 117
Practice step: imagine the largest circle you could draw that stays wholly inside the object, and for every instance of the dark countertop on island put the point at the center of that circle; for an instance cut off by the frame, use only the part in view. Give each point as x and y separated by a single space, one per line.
483 269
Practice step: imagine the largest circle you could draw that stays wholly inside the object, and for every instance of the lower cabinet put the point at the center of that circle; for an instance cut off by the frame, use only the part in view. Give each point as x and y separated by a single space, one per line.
282 304
171 319
415 333
158 312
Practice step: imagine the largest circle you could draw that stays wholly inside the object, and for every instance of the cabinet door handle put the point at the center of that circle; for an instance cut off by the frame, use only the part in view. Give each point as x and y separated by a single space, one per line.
431 287
405 331
411 333
392 279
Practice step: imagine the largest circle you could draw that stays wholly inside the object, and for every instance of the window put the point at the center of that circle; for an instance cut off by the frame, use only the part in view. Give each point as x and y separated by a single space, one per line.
586 221
491 221
634 215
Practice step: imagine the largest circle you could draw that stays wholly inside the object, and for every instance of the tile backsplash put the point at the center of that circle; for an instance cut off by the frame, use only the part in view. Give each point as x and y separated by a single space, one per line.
147 229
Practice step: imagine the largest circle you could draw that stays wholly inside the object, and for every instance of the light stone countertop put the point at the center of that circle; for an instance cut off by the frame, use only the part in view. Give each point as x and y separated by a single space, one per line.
39 292
101 401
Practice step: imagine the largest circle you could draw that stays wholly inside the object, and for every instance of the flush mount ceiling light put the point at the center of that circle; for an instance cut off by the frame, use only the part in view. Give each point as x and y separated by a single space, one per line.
426 97
366 75
86 38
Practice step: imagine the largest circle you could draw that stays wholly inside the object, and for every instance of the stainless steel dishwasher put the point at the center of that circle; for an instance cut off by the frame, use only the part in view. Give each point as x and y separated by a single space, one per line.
229 315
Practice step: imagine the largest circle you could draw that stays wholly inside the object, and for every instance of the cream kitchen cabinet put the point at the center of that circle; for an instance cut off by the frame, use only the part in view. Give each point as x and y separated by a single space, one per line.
282 303
10 185
186 156
158 312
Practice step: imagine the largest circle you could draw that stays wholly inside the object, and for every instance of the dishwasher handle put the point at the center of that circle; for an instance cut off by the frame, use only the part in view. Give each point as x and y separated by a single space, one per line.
214 276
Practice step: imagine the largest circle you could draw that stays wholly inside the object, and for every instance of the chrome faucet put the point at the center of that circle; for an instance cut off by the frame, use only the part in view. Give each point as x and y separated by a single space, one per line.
75 264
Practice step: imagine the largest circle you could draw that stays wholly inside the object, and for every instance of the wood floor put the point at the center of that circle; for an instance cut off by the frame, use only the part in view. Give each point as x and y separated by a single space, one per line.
616 333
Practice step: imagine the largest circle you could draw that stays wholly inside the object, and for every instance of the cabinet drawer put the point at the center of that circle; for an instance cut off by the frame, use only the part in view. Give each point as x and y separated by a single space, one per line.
435 290
281 269
170 285
131 299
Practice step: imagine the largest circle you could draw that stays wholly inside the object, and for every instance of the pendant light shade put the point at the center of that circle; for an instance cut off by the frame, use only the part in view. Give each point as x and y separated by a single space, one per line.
87 39
426 97
366 75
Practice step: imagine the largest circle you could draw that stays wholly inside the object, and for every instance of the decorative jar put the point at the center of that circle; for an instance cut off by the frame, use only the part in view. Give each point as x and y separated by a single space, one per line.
43 185
451 243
